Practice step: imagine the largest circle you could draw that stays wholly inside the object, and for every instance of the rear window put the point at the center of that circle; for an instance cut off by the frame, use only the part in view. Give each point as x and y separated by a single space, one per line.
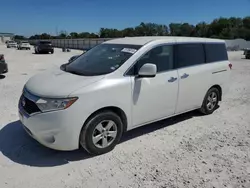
45 42
215 52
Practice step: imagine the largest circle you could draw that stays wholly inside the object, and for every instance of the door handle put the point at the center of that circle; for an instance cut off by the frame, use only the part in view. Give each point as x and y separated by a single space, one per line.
184 76
172 79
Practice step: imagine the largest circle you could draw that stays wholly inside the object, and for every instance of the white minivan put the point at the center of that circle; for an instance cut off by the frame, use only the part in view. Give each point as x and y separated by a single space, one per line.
120 85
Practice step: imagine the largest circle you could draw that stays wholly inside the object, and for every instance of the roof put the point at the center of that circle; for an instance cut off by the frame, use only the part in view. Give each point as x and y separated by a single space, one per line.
144 40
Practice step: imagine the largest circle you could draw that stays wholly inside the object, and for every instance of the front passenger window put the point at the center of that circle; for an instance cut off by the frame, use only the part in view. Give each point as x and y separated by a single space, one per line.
161 56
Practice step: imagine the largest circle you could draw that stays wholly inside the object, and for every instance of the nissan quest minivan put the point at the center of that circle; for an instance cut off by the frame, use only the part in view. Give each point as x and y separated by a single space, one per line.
122 84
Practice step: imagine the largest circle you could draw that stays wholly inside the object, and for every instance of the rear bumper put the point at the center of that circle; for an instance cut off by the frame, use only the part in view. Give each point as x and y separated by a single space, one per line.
3 68
23 46
12 46
45 49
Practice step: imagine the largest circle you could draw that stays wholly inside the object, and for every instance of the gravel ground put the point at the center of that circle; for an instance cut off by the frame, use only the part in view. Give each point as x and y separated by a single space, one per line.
189 150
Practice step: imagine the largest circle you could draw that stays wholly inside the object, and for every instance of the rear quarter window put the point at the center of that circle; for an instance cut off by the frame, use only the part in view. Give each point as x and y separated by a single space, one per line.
189 54
215 52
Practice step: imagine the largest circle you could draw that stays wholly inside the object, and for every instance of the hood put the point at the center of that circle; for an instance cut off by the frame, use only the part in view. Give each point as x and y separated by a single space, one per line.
57 83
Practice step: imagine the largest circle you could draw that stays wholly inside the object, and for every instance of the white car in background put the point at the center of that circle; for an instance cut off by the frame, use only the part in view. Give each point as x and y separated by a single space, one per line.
122 84
11 44
23 45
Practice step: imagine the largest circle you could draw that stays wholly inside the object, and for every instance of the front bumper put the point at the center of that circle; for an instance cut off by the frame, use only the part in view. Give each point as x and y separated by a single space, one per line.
52 129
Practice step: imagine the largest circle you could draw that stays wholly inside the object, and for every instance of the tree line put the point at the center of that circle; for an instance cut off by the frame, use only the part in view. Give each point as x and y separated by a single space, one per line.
223 28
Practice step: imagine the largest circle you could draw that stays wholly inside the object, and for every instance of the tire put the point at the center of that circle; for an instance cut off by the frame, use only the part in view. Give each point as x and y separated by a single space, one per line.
209 109
52 52
94 126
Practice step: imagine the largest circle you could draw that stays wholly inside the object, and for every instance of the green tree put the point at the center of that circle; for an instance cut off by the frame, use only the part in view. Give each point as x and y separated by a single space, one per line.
246 22
187 30
73 35
175 29
128 32
224 28
201 29
19 37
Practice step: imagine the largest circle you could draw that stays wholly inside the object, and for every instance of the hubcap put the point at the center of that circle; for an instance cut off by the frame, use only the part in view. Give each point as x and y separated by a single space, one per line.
212 100
104 134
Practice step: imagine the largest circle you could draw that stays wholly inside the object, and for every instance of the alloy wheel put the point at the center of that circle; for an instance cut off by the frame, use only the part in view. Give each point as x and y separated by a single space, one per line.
104 134
212 100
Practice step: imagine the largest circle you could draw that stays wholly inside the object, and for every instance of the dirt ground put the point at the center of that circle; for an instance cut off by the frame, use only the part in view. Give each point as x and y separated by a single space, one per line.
189 150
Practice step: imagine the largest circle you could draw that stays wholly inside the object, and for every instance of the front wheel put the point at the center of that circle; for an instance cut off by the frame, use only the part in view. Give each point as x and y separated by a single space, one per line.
101 133
210 101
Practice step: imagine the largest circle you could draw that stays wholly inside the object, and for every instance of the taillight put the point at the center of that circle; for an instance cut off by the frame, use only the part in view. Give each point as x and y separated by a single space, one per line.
1 57
230 65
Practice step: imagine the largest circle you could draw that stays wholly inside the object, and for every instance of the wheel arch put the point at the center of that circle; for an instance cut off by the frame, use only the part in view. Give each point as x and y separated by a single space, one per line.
114 109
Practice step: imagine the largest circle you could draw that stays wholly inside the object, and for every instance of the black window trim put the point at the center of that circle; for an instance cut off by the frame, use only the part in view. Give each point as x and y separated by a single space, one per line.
158 45
174 44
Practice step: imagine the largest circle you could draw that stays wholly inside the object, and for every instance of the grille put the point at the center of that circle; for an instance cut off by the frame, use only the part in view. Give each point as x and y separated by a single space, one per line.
29 106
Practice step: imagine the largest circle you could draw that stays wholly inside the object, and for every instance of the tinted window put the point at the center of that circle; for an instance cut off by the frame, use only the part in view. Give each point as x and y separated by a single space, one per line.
215 52
189 54
102 59
161 56
45 42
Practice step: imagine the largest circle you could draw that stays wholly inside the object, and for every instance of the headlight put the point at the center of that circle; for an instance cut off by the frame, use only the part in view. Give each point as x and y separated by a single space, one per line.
46 105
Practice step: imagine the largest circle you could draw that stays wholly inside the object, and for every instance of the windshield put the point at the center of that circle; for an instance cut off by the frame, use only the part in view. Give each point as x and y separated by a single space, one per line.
102 59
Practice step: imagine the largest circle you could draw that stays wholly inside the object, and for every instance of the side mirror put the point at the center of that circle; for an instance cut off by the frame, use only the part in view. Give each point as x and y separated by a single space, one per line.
148 70
73 58
63 66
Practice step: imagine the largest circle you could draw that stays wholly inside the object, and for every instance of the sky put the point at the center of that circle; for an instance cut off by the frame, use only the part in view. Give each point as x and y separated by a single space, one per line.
28 17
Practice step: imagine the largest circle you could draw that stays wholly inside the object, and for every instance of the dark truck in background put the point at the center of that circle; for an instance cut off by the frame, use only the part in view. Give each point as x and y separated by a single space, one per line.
3 65
44 47
247 53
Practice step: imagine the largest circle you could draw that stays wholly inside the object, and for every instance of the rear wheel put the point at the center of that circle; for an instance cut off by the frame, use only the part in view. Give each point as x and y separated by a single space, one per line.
101 133
52 51
210 101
